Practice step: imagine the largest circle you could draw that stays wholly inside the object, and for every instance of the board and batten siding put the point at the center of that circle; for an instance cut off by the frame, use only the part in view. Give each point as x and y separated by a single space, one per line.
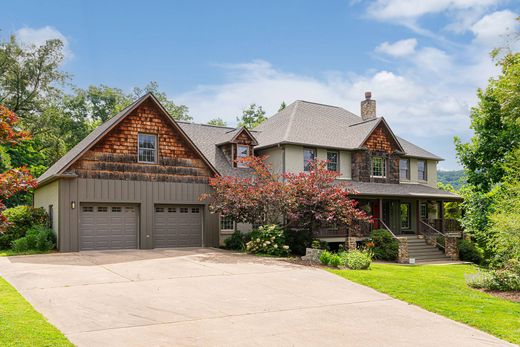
46 196
144 194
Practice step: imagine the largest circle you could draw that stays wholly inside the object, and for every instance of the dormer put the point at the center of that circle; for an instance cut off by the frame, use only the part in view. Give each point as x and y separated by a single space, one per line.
238 143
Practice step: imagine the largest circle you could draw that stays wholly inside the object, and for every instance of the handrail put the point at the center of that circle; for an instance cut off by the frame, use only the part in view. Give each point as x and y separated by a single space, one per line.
387 228
437 231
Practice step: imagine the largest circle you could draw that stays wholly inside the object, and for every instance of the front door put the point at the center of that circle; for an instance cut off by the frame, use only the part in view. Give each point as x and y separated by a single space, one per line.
391 215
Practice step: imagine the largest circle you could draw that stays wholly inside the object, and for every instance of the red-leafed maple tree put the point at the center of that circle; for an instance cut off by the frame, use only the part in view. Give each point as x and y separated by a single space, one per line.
259 199
314 198
16 180
302 200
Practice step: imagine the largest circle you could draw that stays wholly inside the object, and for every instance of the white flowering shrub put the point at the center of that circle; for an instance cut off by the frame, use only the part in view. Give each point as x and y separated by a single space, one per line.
268 239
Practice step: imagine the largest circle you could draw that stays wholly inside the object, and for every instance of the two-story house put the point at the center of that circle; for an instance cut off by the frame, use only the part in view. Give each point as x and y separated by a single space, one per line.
135 181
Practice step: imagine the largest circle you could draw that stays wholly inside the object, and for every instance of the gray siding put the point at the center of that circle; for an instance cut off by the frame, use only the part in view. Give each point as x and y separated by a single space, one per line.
144 194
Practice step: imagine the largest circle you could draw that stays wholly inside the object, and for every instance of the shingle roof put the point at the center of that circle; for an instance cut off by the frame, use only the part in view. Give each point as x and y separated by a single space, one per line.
59 166
401 190
320 125
206 137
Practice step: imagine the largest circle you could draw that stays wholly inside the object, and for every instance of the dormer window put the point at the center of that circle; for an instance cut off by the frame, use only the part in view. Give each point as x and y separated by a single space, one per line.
242 152
378 167
147 148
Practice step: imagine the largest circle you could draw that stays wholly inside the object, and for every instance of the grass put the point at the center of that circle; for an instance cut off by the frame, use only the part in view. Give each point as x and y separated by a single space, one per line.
10 252
21 325
442 289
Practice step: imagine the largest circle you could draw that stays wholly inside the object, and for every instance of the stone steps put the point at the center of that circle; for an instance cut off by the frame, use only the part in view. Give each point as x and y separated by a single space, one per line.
423 252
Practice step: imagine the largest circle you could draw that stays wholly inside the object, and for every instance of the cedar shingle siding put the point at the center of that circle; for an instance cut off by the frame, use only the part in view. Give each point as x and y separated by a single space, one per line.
115 155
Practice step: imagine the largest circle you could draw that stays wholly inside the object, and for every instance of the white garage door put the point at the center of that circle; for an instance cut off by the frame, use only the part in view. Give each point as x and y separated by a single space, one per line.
106 226
177 226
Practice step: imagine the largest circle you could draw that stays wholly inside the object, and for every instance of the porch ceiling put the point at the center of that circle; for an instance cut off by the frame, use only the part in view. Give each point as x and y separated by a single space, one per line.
411 191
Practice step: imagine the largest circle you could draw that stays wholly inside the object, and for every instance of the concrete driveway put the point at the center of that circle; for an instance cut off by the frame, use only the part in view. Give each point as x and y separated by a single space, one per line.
210 297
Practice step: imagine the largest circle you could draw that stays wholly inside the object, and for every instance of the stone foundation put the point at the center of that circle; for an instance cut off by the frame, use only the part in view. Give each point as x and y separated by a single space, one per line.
451 246
312 255
351 244
402 255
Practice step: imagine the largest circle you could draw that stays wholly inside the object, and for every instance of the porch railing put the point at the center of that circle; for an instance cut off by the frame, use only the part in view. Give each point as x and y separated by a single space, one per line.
430 233
446 225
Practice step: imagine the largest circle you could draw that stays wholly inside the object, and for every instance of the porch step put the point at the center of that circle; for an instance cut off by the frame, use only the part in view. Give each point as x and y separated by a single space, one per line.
422 252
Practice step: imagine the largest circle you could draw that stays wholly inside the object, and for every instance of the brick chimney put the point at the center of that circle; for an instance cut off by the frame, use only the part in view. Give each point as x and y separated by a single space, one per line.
368 107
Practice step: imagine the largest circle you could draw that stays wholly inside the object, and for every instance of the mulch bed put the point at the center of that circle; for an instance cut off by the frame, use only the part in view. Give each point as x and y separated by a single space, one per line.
511 296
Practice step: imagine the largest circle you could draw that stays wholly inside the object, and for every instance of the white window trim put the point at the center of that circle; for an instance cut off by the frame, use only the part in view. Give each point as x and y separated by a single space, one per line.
156 149
425 170
337 160
239 162
220 225
383 168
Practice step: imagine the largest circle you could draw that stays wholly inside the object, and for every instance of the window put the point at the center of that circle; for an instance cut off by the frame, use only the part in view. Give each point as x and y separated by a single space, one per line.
424 211
421 170
159 209
102 209
195 210
308 157
404 169
88 209
116 209
332 161
405 216
226 223
172 209
378 167
184 210
242 152
129 209
147 150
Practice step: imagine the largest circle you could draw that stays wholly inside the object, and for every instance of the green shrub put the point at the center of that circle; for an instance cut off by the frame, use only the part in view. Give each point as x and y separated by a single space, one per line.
268 239
441 240
298 240
357 260
38 238
20 219
335 260
236 241
325 257
506 278
316 244
21 245
468 251
385 247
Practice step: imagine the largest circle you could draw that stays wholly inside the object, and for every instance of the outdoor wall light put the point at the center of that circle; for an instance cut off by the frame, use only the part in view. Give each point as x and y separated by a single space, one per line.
73 204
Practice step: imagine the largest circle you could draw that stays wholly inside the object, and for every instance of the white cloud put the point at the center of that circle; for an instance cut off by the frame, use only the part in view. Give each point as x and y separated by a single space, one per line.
399 48
412 10
495 27
39 36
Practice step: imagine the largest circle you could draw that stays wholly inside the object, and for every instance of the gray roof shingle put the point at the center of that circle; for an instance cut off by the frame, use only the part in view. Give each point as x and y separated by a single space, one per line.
401 190
320 125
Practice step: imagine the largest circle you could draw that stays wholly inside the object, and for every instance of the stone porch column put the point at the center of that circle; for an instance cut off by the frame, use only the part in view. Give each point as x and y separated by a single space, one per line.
402 255
451 246
350 243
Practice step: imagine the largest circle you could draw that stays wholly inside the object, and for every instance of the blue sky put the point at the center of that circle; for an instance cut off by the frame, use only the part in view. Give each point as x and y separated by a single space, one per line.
423 61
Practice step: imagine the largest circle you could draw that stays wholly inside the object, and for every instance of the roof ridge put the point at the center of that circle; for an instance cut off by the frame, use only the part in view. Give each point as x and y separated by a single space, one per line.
206 125
291 120
365 121
321 104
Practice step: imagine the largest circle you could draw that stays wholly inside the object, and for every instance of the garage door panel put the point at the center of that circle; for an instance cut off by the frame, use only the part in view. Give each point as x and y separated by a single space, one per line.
108 227
177 226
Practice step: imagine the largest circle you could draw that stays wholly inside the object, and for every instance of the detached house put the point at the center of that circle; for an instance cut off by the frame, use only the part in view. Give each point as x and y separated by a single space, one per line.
135 181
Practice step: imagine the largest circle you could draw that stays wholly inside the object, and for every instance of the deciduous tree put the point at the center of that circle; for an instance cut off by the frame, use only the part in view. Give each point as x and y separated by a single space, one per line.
252 116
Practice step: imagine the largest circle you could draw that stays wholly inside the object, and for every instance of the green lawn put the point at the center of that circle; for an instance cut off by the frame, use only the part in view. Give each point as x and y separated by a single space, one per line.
21 325
442 289
10 252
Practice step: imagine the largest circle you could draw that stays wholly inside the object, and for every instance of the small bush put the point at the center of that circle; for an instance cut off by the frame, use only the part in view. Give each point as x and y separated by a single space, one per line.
21 245
506 278
441 240
468 251
38 238
325 257
236 241
335 260
316 244
357 260
20 219
385 247
268 239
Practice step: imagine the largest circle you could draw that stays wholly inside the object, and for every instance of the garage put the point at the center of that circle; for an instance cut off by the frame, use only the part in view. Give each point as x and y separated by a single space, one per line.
178 226
108 226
